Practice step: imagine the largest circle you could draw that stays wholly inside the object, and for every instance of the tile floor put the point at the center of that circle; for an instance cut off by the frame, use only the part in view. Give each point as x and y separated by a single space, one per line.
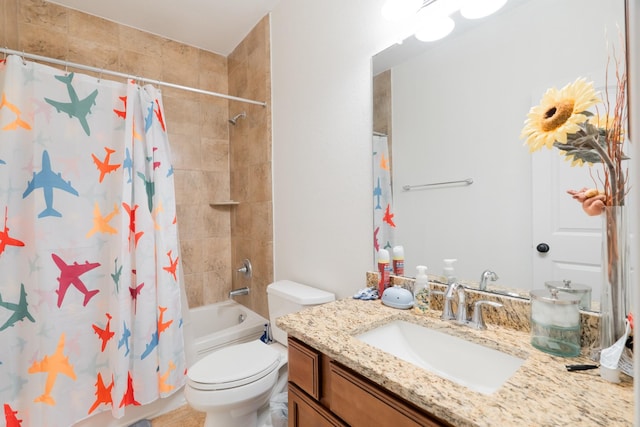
183 417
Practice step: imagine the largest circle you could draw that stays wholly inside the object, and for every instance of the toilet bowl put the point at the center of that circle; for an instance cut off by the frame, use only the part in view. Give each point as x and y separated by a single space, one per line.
234 383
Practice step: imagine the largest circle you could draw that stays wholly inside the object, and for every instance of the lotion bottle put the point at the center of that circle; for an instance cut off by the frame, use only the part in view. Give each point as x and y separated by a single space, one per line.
398 260
383 270
421 289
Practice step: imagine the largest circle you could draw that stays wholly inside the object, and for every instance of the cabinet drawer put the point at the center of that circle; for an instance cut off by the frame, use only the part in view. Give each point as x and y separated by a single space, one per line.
306 412
304 367
359 402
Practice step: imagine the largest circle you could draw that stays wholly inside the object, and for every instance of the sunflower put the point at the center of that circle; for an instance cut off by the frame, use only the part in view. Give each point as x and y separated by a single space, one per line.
560 113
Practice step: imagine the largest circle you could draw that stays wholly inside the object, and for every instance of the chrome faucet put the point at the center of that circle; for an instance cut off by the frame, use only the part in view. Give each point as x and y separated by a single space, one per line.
461 317
239 291
487 275
447 311
477 321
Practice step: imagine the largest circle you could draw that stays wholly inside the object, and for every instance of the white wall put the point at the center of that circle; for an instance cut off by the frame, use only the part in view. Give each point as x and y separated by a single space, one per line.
321 82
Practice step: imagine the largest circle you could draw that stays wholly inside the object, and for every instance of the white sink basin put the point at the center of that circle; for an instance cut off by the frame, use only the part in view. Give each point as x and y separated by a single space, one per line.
475 366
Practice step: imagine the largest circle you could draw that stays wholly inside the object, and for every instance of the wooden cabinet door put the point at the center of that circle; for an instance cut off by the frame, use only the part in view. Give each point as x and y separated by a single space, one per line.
306 412
304 367
361 403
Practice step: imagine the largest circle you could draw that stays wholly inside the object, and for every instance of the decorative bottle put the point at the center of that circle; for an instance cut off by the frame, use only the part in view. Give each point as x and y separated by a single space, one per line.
421 291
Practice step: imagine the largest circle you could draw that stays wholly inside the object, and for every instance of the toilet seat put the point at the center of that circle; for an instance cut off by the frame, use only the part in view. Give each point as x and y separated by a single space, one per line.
233 366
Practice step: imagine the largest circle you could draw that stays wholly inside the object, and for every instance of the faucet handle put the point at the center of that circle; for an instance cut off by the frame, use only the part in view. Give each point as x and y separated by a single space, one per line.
477 321
447 311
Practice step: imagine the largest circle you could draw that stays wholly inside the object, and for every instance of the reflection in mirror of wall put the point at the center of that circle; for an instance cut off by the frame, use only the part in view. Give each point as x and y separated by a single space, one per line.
455 110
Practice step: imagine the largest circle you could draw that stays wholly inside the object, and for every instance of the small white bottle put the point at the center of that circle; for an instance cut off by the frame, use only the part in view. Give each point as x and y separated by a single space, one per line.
421 289
448 270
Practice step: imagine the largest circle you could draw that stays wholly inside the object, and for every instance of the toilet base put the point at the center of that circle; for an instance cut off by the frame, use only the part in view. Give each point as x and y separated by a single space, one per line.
220 419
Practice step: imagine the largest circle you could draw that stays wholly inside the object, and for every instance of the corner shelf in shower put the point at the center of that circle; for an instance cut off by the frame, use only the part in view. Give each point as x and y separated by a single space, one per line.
223 203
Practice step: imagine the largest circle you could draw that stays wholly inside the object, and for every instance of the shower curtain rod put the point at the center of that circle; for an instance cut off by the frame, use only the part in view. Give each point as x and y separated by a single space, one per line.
125 76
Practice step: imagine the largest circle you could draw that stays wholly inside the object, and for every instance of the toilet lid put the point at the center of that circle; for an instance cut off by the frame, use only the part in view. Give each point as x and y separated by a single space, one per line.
233 366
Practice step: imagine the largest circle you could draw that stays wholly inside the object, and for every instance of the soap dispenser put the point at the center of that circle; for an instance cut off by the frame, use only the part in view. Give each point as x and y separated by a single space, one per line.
449 271
421 289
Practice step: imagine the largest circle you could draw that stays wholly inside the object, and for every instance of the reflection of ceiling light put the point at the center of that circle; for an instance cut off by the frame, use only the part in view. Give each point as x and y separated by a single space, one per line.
474 9
432 18
434 28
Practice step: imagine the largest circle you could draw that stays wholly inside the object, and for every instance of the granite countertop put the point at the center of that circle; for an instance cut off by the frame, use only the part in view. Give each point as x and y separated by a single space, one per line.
541 393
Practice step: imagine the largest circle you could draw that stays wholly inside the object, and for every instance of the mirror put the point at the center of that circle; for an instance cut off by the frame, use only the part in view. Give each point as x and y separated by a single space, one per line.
453 110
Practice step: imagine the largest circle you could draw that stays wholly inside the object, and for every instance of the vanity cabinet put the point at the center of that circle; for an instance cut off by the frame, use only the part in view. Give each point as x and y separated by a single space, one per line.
324 393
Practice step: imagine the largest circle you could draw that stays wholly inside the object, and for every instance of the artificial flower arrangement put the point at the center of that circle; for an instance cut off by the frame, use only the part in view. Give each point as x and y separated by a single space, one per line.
563 120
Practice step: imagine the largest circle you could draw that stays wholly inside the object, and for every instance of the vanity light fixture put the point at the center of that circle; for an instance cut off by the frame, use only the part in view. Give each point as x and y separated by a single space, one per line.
432 18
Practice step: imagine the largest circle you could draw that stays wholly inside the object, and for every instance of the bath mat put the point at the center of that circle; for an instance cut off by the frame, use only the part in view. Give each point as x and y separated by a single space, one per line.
141 423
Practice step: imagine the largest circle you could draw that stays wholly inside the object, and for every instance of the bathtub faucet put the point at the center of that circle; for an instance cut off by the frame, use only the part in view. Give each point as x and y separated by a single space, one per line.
239 291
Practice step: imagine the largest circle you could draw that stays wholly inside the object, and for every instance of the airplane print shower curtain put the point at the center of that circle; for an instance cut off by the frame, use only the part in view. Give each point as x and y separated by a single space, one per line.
90 307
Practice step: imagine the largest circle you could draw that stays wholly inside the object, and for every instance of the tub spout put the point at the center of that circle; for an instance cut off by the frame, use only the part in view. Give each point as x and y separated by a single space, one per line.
238 292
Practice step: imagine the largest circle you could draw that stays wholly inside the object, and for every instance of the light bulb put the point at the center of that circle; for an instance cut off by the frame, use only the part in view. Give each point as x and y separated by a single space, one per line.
399 10
476 9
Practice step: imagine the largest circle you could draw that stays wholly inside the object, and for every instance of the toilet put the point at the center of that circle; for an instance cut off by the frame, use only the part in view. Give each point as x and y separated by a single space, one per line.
235 383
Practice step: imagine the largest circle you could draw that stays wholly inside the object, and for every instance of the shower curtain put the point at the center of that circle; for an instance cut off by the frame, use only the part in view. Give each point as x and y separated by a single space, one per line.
383 221
90 305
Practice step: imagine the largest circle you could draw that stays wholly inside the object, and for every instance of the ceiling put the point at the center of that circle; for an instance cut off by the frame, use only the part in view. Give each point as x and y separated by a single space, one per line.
213 25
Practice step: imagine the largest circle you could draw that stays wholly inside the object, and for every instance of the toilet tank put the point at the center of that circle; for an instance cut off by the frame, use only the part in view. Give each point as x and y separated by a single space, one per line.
286 296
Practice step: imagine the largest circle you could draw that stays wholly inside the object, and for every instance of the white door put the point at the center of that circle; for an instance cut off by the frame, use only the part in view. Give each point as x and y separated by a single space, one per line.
573 237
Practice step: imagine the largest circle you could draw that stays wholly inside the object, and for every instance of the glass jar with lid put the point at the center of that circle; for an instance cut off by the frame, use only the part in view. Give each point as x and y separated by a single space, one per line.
555 322
583 292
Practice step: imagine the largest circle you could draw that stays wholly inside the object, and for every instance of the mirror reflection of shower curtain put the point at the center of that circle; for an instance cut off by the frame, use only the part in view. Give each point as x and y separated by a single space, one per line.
383 216
90 301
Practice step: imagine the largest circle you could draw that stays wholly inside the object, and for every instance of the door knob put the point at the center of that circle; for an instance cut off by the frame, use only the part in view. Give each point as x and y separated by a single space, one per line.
542 248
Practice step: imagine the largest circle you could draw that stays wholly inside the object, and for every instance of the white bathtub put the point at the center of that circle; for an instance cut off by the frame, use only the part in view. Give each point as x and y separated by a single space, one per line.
218 325
206 329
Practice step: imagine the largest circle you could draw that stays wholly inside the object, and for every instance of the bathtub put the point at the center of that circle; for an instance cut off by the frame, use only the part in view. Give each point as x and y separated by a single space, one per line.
225 323
206 329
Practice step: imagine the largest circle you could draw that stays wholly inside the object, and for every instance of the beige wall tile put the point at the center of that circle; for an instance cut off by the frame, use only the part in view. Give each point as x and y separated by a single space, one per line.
140 42
213 73
187 151
44 14
141 64
214 118
215 155
260 182
194 289
43 41
180 63
215 186
91 29
9 22
191 252
212 291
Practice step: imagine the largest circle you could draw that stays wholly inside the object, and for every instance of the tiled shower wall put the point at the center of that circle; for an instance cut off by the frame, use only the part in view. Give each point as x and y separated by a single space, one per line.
198 128
250 150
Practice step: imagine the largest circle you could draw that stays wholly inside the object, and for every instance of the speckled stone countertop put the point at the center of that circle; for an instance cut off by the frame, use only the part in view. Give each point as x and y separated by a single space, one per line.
541 393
